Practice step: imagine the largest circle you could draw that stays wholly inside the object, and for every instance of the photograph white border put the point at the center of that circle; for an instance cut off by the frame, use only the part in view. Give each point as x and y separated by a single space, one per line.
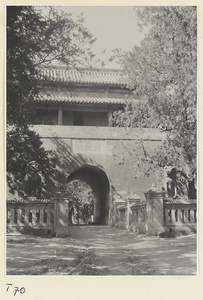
89 287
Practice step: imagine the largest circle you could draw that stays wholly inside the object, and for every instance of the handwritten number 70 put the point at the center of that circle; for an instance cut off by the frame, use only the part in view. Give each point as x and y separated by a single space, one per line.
15 288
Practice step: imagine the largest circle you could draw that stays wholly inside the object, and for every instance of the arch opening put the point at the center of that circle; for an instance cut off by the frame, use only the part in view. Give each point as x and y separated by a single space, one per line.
97 180
81 202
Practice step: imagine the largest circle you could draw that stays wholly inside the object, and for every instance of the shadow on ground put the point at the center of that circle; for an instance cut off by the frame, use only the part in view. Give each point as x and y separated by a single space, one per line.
101 250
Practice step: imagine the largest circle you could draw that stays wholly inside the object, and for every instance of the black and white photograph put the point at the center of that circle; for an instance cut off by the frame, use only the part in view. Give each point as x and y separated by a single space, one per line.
101 141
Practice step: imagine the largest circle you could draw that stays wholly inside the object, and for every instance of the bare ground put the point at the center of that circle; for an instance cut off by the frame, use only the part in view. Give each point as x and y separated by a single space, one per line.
101 250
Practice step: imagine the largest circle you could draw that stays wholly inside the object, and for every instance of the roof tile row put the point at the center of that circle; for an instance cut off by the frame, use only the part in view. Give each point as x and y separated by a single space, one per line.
62 98
97 77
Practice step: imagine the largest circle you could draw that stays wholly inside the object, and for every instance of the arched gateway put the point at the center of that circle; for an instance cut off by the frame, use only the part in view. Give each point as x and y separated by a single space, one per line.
73 118
99 183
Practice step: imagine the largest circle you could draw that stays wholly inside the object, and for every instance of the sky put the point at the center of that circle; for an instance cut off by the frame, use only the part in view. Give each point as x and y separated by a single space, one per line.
113 26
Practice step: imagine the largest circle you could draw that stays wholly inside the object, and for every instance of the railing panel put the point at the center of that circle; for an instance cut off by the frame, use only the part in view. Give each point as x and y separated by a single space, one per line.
29 216
182 215
8 216
49 217
186 216
192 219
26 216
12 216
19 214
41 217
33 216
23 216
138 219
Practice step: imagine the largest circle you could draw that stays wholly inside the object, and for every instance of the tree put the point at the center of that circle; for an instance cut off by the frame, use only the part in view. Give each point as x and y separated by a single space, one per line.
162 73
35 40
30 171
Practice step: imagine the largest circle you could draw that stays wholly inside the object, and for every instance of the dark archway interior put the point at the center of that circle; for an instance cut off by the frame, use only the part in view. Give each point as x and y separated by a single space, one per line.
98 181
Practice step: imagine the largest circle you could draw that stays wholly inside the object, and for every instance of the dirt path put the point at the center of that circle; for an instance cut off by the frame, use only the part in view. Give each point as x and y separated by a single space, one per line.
101 250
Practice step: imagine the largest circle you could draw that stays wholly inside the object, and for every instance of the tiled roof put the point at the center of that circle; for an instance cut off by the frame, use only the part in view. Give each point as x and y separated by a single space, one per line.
179 201
84 76
64 98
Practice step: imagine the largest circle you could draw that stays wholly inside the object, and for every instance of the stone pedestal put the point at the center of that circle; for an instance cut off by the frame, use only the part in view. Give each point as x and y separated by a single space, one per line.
61 216
131 200
116 204
155 212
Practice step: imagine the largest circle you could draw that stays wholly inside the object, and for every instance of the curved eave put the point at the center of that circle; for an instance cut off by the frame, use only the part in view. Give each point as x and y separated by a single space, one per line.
83 83
80 100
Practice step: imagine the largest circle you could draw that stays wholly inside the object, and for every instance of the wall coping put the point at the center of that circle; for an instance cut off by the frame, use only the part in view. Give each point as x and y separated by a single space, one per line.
98 133
135 206
154 195
178 201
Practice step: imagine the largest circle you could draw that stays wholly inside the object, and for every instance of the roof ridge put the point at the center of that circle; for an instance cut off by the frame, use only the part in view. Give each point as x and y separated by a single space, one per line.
91 70
83 76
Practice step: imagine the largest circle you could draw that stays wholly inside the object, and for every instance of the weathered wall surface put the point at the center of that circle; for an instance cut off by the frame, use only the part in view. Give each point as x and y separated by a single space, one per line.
103 147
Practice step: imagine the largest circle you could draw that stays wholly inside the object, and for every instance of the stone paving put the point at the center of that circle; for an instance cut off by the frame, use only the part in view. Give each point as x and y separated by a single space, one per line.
101 250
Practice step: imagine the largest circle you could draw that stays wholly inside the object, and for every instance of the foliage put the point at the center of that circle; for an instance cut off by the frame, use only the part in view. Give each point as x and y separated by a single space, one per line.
81 201
136 114
162 73
25 155
34 40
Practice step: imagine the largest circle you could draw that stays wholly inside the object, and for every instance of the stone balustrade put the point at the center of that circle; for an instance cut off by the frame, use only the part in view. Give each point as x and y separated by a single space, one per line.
180 214
30 217
138 218
157 215
38 216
